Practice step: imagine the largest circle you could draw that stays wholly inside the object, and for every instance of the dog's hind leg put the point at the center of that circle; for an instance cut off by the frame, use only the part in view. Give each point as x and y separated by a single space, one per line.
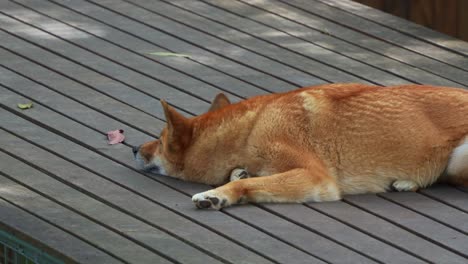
457 168
296 185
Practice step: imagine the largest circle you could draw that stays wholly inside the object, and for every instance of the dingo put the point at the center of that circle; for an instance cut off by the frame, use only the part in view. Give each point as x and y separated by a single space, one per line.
317 143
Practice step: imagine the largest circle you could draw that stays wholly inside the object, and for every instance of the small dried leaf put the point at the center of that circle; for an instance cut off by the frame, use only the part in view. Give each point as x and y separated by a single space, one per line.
25 106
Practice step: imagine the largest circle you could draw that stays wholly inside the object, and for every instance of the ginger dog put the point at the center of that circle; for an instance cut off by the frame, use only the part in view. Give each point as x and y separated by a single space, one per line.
317 143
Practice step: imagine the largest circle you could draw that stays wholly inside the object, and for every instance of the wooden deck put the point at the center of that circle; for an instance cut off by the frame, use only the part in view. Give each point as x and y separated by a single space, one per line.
85 64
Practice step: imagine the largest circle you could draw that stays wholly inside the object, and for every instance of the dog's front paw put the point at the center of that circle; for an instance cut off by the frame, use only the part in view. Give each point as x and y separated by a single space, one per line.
210 199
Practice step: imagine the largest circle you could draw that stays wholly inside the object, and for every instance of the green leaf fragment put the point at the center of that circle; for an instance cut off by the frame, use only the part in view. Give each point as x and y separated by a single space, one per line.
25 106
169 54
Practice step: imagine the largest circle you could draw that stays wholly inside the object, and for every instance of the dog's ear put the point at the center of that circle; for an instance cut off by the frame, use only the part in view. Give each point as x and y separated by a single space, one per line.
178 126
220 101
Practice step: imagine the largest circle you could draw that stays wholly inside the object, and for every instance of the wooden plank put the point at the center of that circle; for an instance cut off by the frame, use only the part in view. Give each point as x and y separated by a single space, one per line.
342 235
269 13
379 4
120 198
129 66
31 91
253 56
448 195
370 244
49 238
221 48
404 26
90 97
446 237
286 57
150 34
333 251
97 69
146 187
387 231
439 212
99 212
188 67
76 224
258 31
364 33
425 40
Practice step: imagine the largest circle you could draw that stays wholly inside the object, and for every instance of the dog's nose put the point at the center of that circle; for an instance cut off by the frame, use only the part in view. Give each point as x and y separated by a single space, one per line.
135 149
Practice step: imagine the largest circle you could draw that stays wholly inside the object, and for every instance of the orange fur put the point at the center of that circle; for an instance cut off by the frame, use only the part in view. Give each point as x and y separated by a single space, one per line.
315 143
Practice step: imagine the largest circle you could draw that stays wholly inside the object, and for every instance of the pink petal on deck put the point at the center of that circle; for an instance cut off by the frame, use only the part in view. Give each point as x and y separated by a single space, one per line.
115 136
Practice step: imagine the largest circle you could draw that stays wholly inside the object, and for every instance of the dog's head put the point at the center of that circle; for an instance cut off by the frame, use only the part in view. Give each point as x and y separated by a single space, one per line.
167 154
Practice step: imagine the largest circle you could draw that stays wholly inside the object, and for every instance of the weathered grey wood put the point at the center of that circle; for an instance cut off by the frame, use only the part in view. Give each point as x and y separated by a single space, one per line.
95 79
315 15
447 215
214 44
451 196
171 42
49 238
64 105
269 14
422 226
143 186
75 223
376 247
188 68
312 242
134 66
78 92
120 222
375 30
389 232
245 41
113 194
308 50
402 25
